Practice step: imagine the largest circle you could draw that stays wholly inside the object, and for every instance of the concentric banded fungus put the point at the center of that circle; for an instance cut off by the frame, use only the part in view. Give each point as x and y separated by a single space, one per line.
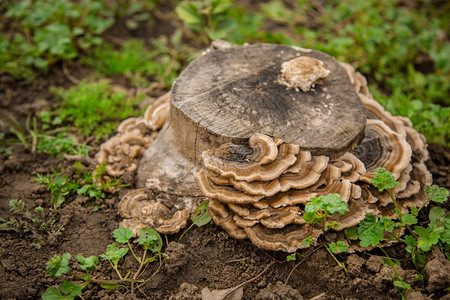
240 132
139 211
382 148
121 152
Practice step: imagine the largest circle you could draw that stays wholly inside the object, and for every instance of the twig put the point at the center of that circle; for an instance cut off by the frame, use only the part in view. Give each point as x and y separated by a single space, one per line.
66 72
340 264
114 40
259 275
268 255
317 297
87 161
250 280
8 96
304 258
236 260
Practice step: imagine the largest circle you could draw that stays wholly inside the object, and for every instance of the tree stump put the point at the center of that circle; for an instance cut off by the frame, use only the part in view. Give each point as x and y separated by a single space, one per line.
230 94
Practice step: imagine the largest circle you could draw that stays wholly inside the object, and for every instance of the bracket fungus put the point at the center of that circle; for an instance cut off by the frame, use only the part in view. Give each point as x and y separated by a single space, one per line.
240 133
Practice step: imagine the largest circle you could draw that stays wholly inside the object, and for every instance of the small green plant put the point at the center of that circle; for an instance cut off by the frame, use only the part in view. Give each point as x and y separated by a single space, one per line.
318 210
49 31
135 12
291 257
336 248
397 280
44 139
38 222
82 183
209 17
419 239
59 186
6 150
161 63
200 217
149 240
93 108
371 230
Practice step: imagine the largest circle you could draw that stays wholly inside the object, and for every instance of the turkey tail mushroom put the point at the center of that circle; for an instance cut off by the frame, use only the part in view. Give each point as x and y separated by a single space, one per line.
139 211
262 148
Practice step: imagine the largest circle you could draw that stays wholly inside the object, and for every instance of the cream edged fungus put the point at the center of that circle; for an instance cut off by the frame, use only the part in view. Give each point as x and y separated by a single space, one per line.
261 168
121 153
390 142
303 73
139 211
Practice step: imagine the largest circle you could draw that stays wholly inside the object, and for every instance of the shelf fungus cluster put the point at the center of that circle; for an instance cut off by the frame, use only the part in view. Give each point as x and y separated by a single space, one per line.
259 190
259 130
121 153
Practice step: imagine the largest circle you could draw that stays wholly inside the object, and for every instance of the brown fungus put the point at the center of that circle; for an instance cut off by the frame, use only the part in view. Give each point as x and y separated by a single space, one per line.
236 165
156 115
139 211
121 152
232 132
302 73
382 148
289 239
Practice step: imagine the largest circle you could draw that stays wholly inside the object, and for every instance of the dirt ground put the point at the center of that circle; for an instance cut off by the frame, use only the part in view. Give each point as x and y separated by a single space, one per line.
205 257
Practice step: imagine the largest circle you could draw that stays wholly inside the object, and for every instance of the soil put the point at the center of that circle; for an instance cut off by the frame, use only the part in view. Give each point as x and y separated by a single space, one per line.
204 257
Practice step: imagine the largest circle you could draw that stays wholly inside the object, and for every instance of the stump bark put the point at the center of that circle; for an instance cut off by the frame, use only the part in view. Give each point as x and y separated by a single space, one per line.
225 96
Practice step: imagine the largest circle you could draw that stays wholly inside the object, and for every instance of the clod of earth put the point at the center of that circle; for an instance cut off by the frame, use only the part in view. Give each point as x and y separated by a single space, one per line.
245 129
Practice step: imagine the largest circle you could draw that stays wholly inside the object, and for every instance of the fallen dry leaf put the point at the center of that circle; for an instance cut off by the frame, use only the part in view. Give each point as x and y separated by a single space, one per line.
234 293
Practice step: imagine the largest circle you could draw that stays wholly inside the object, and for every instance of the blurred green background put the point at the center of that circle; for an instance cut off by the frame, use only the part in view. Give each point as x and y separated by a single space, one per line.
402 47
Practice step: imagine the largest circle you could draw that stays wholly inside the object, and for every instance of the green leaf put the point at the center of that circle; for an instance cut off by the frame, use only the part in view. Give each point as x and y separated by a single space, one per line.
60 180
307 241
114 253
351 233
333 203
70 288
309 217
58 265
87 263
150 239
387 224
314 205
333 225
53 294
223 29
436 216
436 194
123 234
402 284
409 219
109 286
150 259
220 6
370 231
427 238
410 240
188 13
201 216
338 247
291 257
383 180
